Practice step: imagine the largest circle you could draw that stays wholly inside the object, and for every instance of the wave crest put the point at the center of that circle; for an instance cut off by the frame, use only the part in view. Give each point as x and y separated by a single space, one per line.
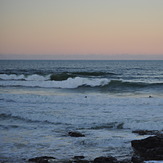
69 83
54 76
70 80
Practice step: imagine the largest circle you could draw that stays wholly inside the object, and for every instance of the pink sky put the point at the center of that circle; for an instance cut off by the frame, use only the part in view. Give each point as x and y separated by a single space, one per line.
63 28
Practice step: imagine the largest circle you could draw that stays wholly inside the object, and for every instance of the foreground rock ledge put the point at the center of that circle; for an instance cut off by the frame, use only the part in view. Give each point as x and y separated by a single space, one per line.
77 159
147 149
42 159
105 160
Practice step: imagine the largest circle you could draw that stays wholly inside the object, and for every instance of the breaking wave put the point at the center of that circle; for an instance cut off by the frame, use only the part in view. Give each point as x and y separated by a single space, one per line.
128 84
56 77
69 83
78 82
95 80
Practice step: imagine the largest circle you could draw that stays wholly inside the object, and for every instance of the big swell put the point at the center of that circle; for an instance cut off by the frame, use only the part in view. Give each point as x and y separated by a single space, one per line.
73 80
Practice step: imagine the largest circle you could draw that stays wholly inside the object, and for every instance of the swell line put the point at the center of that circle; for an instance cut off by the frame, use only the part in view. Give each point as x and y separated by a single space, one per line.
4 116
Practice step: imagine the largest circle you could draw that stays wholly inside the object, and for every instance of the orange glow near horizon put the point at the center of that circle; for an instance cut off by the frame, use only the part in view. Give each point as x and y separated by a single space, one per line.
81 27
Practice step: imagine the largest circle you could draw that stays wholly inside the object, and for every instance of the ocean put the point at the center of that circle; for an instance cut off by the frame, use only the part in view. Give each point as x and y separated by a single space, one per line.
42 101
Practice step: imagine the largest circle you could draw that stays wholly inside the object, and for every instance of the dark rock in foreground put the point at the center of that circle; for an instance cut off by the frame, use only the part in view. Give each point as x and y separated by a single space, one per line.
81 161
109 159
78 157
147 149
76 134
105 160
42 159
150 148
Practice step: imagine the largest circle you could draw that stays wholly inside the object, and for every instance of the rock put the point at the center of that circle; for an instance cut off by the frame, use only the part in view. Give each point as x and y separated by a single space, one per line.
125 161
78 157
81 161
42 159
76 134
150 148
136 158
105 160
147 132
148 143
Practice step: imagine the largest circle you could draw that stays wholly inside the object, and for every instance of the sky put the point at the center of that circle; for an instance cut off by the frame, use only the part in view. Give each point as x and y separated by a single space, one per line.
81 29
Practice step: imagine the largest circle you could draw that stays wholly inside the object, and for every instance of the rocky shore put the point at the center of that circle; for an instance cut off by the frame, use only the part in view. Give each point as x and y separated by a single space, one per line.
150 148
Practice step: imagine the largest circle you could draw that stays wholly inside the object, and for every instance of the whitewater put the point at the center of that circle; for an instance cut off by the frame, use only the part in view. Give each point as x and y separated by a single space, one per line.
41 101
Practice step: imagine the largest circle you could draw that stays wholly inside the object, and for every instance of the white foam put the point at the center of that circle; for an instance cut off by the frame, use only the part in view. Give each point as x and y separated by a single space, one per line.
33 77
32 81
94 110
36 77
11 77
69 111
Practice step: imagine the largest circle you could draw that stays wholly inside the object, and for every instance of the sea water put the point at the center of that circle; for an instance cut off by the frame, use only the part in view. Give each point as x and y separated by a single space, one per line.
41 101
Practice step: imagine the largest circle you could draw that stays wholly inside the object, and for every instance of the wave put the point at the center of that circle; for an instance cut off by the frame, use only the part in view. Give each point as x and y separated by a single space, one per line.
61 77
69 83
112 125
34 77
96 73
104 84
131 84
13 117
66 75
53 76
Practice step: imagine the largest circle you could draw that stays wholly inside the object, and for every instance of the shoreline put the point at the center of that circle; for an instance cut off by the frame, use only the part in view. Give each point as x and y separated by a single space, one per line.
144 150
147 150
